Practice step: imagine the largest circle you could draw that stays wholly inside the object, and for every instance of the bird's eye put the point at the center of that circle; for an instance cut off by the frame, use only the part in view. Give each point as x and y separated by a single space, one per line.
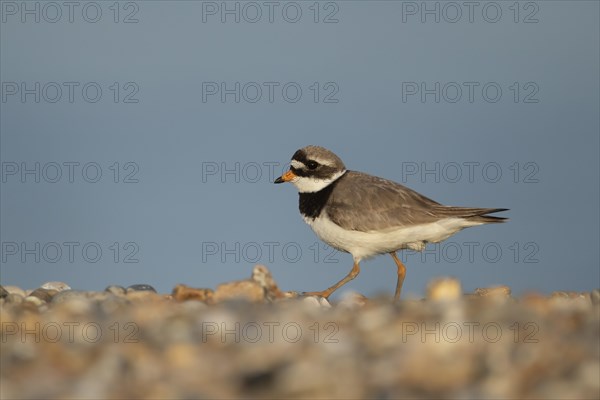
312 165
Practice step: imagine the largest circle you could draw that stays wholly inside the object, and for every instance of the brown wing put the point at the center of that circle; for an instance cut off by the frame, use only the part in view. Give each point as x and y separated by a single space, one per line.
362 202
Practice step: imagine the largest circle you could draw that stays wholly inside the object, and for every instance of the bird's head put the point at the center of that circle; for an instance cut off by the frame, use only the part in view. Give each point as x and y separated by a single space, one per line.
313 168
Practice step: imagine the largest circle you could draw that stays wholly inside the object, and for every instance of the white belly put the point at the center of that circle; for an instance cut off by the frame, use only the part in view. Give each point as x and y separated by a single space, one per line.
368 244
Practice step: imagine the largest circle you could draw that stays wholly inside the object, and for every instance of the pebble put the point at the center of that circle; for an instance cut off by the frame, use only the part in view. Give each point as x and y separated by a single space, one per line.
68 295
14 298
494 294
58 286
182 293
117 290
144 295
495 291
352 300
34 300
240 290
262 276
559 295
16 290
43 294
3 292
316 301
444 289
140 287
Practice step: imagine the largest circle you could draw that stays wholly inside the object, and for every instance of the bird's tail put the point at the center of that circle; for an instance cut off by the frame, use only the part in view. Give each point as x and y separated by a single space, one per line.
475 214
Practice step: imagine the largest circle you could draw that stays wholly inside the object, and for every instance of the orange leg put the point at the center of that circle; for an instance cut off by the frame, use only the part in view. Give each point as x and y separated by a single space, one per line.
326 293
401 275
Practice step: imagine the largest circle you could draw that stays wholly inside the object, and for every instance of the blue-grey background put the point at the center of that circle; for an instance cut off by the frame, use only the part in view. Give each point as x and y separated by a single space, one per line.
182 223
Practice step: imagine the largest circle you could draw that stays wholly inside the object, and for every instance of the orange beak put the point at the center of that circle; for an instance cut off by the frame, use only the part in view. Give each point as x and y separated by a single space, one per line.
288 176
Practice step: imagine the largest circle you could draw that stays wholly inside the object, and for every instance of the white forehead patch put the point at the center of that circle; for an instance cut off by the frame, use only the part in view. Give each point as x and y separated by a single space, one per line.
297 164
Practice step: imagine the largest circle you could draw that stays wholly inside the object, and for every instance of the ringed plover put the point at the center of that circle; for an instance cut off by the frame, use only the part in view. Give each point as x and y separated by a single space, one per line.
366 216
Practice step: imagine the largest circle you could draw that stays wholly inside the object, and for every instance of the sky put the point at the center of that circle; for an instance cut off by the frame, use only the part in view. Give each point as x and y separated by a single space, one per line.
139 139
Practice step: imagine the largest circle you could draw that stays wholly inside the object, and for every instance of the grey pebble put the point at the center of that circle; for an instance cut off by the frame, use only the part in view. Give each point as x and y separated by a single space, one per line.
140 287
43 294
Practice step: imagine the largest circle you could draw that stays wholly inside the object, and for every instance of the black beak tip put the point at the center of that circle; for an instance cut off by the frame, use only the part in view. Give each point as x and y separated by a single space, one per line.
279 180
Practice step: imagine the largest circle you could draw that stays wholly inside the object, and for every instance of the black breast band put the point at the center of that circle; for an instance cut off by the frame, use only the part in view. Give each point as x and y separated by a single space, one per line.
311 204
